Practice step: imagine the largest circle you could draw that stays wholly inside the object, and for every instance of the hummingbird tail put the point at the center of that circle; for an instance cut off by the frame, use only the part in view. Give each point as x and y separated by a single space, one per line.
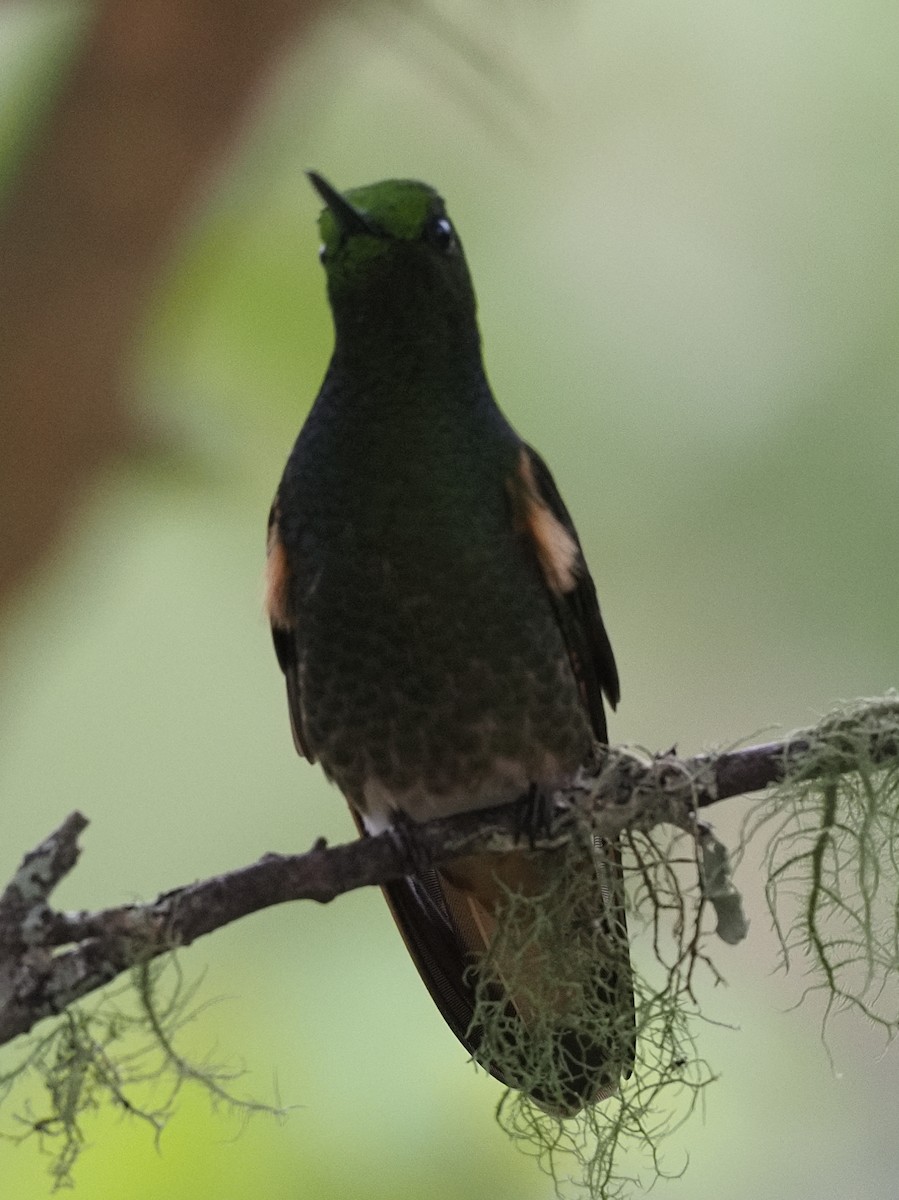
534 979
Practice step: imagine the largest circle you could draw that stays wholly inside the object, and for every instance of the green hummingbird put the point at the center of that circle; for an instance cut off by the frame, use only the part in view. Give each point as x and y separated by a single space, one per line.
432 611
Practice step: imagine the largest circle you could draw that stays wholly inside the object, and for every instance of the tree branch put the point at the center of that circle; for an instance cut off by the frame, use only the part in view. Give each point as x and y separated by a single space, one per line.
50 959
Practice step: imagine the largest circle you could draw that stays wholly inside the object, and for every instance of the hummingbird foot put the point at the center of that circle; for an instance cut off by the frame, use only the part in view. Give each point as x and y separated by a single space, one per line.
402 829
535 815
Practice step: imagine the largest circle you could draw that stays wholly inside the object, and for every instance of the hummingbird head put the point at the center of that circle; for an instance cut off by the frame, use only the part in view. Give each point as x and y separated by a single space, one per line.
392 255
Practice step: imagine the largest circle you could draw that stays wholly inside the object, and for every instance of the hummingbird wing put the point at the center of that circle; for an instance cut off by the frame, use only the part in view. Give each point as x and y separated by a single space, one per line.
277 603
540 516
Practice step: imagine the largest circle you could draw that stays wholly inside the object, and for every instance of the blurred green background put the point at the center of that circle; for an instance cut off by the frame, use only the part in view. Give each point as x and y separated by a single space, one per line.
684 242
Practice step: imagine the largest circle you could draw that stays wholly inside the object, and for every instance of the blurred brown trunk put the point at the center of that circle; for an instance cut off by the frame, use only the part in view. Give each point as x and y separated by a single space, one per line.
154 99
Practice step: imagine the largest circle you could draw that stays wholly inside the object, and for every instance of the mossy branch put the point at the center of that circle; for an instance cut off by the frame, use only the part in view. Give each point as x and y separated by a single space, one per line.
831 818
50 959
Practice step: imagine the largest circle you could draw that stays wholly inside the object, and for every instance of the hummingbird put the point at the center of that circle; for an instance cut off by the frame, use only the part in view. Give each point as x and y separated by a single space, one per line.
434 617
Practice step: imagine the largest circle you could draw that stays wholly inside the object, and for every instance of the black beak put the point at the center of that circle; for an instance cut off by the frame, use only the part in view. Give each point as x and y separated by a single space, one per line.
349 220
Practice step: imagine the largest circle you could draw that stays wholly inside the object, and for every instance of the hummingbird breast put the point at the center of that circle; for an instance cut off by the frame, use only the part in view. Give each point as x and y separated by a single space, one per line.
433 674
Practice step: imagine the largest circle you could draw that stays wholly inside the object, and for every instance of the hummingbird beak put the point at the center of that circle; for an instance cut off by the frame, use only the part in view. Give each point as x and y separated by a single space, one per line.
349 220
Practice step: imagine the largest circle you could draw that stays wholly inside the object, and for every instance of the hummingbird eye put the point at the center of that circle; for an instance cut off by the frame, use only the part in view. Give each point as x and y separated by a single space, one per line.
440 233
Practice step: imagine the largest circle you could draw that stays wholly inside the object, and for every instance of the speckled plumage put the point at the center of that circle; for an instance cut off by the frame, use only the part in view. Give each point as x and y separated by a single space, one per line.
430 605
433 669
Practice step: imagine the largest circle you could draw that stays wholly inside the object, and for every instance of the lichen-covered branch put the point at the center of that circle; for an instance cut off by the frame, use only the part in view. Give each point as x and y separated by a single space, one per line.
50 959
